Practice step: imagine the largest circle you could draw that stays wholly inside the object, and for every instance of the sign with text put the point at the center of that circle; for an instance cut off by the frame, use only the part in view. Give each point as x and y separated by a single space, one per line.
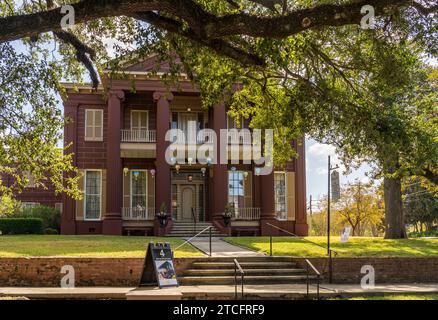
158 268
335 186
345 234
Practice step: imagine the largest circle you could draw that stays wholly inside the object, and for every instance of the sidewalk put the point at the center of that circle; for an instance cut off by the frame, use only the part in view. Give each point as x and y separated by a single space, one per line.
279 291
221 248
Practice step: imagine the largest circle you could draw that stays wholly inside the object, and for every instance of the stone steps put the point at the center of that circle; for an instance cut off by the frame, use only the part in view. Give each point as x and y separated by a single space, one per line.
188 229
252 272
244 265
257 269
224 280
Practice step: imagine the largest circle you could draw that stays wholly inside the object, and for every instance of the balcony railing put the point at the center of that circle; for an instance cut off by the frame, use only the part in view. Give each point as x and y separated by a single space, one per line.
145 136
247 214
183 137
139 214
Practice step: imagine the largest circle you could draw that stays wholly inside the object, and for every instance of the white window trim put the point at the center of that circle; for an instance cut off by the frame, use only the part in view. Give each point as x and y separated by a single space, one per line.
243 186
27 204
100 195
60 205
147 119
93 126
130 187
31 184
284 173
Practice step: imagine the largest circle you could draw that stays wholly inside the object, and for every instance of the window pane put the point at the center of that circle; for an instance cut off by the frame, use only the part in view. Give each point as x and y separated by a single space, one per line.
92 195
138 189
280 194
236 188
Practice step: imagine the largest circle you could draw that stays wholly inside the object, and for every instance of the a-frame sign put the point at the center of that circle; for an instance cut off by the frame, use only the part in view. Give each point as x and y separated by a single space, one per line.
158 267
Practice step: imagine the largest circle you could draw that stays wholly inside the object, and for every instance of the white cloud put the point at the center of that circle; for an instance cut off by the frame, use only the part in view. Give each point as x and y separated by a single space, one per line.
319 150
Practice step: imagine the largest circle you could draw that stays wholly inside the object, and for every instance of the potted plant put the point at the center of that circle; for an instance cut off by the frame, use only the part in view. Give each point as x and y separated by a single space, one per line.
162 215
228 213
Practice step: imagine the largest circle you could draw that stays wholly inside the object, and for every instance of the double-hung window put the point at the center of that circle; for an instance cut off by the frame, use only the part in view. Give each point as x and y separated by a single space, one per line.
93 194
280 195
236 189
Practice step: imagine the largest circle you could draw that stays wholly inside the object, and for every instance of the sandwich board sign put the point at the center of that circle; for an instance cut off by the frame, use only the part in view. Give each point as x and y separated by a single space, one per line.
158 267
345 234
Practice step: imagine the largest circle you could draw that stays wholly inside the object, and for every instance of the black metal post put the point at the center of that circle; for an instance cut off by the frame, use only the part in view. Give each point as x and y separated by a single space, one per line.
330 267
270 245
209 231
307 280
242 285
235 282
328 205
317 288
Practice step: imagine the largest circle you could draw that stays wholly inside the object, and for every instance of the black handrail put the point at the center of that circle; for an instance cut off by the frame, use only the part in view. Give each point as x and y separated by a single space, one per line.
237 267
194 220
318 278
330 251
188 240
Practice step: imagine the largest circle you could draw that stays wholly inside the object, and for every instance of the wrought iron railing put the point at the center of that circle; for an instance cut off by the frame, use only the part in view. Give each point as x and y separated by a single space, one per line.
147 136
139 213
247 214
329 255
238 268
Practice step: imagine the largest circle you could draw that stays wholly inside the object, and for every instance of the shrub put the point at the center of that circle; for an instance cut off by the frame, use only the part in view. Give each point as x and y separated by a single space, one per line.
21 226
50 216
51 231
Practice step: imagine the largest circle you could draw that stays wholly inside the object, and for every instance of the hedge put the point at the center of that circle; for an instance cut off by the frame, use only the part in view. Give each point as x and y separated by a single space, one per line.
21 226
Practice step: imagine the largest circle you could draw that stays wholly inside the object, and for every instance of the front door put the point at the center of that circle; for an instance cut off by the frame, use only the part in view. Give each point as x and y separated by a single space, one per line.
187 196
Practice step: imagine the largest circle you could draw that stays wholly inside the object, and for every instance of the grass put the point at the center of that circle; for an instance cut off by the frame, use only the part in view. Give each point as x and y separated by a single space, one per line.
395 297
355 247
85 246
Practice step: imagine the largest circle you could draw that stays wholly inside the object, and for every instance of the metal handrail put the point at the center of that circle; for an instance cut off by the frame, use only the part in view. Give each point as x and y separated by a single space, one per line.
318 278
330 251
196 235
237 267
194 220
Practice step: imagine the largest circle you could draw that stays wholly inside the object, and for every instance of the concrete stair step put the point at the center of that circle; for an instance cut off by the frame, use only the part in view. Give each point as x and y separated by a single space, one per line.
251 272
214 280
244 265
247 259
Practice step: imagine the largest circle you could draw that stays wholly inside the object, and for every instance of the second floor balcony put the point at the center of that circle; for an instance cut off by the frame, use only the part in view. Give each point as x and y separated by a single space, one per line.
143 136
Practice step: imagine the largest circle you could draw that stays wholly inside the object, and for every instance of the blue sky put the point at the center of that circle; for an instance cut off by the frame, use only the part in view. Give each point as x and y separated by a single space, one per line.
317 167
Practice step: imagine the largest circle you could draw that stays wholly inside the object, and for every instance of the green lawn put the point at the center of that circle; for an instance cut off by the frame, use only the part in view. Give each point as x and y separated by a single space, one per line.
356 247
395 297
85 246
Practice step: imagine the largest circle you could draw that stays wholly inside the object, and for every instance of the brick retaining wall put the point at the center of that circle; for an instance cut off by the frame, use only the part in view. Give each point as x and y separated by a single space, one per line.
45 272
387 270
119 272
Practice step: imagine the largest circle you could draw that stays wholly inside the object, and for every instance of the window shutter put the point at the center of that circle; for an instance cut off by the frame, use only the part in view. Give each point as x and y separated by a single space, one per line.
93 125
126 190
98 125
248 190
80 203
151 190
89 120
104 190
290 187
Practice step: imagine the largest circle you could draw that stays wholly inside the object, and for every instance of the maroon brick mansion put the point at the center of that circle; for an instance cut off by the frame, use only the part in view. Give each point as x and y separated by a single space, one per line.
118 138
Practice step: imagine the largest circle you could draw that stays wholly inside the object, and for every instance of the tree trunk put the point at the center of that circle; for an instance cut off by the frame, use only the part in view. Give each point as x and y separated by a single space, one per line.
394 220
